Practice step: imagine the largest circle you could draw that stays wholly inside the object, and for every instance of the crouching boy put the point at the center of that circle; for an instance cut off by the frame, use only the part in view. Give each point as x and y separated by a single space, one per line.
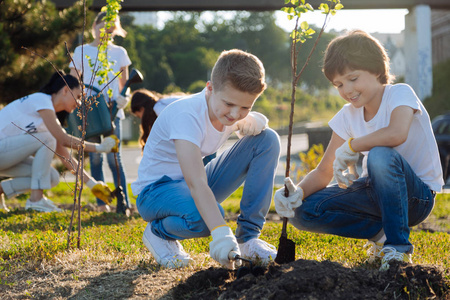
180 198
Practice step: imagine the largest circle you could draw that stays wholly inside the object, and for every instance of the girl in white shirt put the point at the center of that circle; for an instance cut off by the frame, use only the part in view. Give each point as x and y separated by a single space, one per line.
85 64
30 135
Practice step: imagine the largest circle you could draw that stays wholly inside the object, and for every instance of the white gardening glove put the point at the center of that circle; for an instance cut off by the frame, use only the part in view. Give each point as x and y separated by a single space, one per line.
100 190
252 124
106 146
122 101
285 206
222 244
345 159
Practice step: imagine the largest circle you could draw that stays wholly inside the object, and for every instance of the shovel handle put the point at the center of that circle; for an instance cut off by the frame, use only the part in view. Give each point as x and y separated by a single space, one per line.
233 255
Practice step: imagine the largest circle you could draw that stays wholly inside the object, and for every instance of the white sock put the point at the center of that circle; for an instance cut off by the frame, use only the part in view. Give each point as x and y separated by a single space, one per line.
381 240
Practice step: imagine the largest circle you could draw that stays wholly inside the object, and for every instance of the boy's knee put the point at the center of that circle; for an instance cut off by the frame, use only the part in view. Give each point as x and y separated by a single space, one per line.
379 158
270 139
196 225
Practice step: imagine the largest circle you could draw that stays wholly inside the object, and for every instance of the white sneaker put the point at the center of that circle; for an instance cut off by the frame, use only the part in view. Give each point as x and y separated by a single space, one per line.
43 205
374 251
169 254
258 249
3 203
389 254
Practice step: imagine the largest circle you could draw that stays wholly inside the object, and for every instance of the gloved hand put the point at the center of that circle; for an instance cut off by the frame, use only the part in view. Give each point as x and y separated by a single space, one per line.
122 101
345 159
106 146
285 206
116 146
222 244
252 124
100 190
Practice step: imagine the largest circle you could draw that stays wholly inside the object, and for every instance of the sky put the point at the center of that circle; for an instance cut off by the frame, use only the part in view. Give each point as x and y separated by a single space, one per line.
370 20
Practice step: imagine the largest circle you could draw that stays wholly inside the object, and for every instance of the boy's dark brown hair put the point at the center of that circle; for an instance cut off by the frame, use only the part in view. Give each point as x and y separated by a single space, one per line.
242 70
357 50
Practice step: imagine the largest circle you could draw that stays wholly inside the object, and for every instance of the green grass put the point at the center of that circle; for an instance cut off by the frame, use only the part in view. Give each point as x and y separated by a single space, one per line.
30 237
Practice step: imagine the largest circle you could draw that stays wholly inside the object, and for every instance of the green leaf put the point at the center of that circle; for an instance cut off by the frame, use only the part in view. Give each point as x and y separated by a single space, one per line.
339 6
310 31
324 7
304 25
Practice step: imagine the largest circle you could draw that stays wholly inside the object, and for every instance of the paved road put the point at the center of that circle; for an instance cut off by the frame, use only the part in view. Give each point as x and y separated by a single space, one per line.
131 156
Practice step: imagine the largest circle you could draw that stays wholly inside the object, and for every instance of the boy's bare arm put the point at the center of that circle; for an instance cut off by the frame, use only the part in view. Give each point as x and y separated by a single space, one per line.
194 173
393 135
321 176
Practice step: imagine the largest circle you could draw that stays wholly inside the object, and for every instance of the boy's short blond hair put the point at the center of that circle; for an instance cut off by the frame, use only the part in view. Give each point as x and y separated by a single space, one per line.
357 50
241 70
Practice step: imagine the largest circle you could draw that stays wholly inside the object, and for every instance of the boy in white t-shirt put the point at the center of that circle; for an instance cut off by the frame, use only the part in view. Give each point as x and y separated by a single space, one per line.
180 197
401 167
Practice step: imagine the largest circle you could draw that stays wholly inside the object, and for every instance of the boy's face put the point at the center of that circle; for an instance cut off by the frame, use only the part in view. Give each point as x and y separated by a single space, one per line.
358 87
228 105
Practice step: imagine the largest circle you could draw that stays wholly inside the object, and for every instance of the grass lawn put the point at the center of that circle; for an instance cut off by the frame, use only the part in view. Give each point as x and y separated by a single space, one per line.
30 240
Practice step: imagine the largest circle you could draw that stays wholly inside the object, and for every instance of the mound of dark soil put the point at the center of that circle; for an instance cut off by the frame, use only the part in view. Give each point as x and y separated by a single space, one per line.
308 279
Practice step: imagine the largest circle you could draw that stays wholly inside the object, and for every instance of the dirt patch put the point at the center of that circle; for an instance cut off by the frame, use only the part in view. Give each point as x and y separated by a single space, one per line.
78 276
308 279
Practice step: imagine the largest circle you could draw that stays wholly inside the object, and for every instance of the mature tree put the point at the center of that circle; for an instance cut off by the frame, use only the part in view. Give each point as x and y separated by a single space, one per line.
255 32
313 77
28 27
185 50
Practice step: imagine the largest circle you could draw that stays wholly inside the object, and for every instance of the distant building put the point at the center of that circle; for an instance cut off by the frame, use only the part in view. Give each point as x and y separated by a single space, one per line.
394 42
440 31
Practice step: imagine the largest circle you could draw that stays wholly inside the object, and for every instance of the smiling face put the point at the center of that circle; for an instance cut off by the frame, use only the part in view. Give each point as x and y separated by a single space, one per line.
228 105
360 88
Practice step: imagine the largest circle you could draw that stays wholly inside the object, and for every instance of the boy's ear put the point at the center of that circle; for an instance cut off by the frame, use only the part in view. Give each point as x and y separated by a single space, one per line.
209 86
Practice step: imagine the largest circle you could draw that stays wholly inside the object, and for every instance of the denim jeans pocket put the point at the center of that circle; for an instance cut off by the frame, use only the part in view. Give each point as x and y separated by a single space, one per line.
419 210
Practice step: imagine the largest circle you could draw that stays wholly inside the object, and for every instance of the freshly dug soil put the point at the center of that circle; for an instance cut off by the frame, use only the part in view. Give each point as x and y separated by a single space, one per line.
309 279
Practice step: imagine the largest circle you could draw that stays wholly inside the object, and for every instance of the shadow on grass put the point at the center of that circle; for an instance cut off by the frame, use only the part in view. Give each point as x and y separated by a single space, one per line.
109 285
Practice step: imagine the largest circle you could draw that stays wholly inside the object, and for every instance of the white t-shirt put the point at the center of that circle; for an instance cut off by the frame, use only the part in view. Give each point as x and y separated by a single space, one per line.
420 149
117 56
24 113
182 120
163 103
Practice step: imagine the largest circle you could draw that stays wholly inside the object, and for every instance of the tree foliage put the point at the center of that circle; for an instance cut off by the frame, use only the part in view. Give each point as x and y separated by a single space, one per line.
31 34
185 50
439 103
177 57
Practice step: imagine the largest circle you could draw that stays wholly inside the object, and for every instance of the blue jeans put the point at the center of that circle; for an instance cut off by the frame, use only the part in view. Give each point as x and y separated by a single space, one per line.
392 198
96 161
170 208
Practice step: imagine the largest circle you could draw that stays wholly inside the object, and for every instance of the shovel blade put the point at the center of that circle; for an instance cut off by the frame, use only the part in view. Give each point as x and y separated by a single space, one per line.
286 251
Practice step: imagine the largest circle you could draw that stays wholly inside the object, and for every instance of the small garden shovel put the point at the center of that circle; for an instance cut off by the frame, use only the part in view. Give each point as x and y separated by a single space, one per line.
286 247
